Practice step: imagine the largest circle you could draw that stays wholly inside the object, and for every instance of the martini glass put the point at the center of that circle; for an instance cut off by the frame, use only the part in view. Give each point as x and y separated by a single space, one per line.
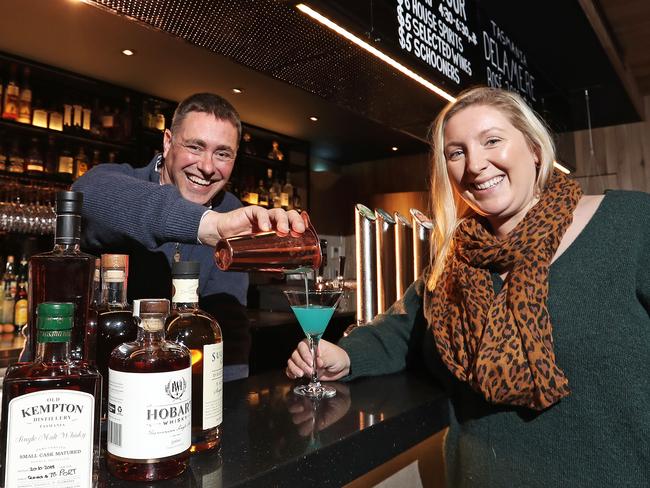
314 309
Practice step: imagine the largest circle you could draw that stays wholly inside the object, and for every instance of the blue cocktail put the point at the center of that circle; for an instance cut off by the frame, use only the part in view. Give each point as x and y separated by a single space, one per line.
314 309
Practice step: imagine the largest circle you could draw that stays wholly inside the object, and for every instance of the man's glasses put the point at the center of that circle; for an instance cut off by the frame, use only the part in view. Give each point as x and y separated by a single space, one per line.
220 155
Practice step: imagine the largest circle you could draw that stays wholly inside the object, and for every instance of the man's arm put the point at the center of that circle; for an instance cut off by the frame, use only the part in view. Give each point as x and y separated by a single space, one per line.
121 204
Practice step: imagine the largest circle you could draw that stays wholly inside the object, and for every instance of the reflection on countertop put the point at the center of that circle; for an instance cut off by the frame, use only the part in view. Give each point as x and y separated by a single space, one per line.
273 438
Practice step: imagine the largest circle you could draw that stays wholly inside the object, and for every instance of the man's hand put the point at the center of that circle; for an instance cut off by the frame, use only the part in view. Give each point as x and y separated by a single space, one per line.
248 220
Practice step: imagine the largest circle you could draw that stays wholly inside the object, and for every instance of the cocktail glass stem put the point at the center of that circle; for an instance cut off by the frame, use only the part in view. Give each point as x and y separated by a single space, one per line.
313 346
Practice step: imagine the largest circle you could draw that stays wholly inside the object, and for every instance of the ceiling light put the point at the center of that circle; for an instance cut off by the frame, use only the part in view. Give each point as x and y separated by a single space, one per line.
561 168
313 118
128 52
372 50
395 148
237 90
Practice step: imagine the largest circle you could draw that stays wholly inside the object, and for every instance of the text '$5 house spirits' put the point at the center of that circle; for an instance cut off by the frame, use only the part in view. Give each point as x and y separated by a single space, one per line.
201 334
149 401
50 411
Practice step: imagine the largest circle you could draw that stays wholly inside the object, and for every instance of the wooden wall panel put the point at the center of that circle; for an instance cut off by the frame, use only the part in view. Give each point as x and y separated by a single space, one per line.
619 157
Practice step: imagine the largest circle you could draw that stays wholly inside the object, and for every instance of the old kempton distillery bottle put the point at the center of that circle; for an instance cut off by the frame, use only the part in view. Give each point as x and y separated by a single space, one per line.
115 323
64 274
149 401
50 411
201 334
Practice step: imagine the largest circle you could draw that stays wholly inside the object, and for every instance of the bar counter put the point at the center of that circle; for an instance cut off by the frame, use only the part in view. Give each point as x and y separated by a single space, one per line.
274 438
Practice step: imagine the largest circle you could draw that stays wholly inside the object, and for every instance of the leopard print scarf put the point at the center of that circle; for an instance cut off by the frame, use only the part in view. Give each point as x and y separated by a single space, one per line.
503 345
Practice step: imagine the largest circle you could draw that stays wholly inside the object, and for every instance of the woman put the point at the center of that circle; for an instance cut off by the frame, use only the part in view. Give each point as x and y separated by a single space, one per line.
533 313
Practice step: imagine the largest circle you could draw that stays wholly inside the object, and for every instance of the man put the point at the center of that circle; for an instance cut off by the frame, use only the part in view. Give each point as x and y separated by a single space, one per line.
176 207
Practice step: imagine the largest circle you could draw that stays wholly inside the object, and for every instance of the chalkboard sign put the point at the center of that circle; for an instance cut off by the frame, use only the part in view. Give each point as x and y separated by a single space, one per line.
464 46
453 43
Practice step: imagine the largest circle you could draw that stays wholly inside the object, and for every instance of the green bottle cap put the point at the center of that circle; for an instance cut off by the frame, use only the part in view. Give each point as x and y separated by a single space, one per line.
54 321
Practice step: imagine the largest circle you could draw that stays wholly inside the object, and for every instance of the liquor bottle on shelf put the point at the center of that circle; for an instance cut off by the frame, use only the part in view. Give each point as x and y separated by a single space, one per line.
275 152
67 115
3 154
9 294
65 166
297 201
51 407
64 274
96 158
1 89
149 441
34 161
287 193
77 116
51 159
108 122
276 191
201 334
159 118
25 99
126 120
20 306
80 163
55 119
86 118
262 195
115 324
16 159
40 116
11 96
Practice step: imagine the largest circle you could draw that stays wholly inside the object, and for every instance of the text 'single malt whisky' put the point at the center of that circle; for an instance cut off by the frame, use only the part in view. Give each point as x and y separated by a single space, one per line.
50 411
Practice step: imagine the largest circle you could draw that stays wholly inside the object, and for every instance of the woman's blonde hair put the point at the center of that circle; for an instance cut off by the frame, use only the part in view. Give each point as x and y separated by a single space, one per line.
447 208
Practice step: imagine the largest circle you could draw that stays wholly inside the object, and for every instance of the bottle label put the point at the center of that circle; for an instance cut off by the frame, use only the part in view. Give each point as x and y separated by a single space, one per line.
149 414
212 385
20 312
114 276
185 291
66 164
51 437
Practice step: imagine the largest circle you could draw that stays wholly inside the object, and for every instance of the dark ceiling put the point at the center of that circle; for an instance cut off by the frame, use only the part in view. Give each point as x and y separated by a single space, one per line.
294 64
271 36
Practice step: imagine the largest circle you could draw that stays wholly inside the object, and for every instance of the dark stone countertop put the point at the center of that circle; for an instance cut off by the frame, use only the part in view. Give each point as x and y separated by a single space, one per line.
272 438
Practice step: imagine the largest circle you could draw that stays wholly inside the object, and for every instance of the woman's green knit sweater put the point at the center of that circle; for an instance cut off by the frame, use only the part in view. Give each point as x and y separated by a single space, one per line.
599 436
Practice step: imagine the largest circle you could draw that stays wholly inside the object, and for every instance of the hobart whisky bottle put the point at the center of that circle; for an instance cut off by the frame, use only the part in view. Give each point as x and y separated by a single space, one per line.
149 401
50 411
64 274
201 334
115 324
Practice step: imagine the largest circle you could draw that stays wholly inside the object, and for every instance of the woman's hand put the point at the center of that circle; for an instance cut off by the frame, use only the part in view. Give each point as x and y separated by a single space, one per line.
248 220
332 362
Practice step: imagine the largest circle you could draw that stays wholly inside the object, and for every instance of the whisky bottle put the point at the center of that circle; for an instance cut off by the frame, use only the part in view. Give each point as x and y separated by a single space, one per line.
50 411
149 401
16 159
20 306
11 96
80 163
25 100
64 274
34 161
201 334
115 324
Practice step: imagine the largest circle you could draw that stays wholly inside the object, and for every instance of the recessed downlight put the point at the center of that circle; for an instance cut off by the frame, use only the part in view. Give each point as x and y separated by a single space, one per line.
128 52
237 91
